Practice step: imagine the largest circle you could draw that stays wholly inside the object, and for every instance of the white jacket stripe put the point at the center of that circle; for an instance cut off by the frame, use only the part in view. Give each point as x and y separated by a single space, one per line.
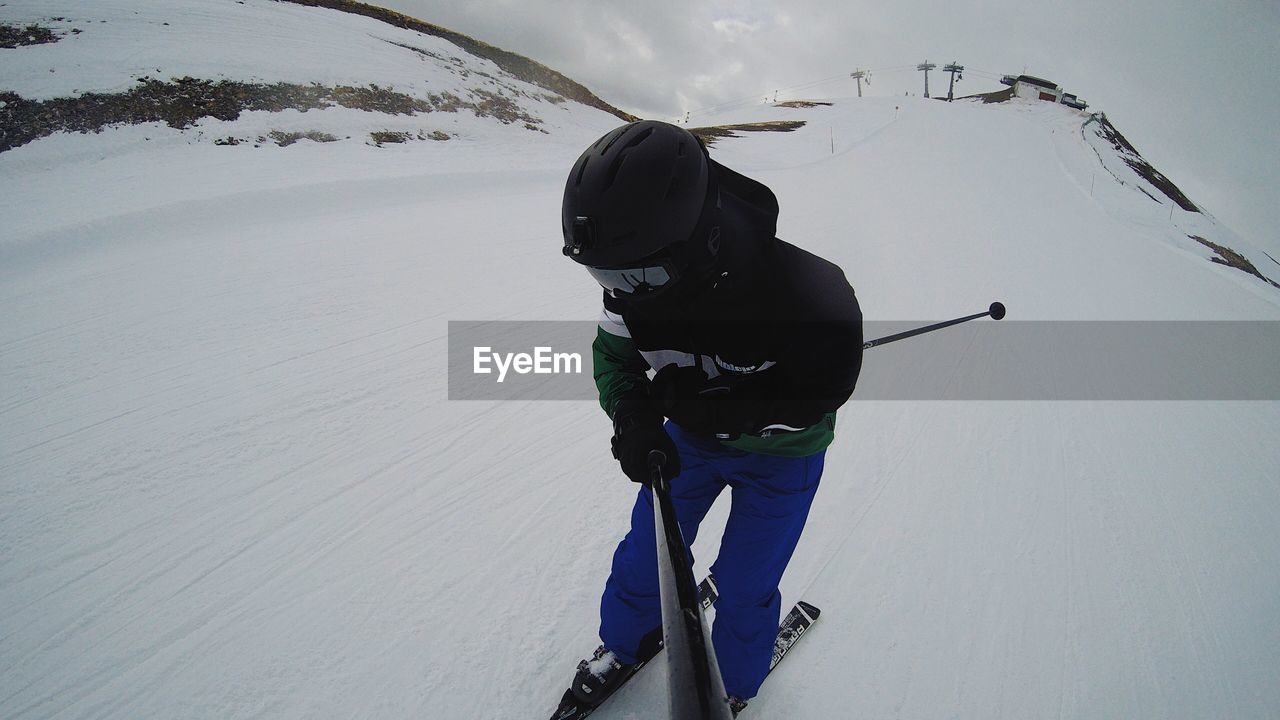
613 324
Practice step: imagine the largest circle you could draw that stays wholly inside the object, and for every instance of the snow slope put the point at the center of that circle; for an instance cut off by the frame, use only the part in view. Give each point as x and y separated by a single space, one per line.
231 484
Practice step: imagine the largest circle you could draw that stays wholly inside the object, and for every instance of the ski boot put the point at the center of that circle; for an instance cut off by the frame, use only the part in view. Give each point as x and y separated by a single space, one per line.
598 677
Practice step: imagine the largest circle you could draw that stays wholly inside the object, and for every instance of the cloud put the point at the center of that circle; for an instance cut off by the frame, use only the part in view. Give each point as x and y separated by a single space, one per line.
634 40
733 29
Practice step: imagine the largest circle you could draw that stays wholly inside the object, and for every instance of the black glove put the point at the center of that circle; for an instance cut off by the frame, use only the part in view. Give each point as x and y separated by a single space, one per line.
637 430
724 406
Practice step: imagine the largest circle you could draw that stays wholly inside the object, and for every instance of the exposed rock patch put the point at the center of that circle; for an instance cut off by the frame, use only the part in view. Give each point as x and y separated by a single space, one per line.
714 132
381 137
1134 159
12 36
182 102
1226 256
802 104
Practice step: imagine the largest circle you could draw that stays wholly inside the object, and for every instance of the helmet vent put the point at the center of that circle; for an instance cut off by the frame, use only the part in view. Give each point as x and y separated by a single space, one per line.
618 136
621 155
639 138
609 140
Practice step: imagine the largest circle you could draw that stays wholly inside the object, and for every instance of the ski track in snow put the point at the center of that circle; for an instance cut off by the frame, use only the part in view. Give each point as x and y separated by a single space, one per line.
231 484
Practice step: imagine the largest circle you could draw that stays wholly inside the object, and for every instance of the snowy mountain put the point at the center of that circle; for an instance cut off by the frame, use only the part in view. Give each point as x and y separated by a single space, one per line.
232 483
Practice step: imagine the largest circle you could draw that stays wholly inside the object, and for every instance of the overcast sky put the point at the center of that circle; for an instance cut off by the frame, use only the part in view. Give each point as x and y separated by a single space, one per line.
1189 82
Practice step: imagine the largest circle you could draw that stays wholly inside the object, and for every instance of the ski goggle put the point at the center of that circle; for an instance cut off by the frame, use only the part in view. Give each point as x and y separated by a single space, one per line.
636 282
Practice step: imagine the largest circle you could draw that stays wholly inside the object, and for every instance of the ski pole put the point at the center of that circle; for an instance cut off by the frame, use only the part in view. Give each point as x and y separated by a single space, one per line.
695 688
996 311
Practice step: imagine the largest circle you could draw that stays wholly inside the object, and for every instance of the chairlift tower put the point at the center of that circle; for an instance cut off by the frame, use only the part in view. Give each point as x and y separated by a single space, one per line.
926 66
860 75
953 69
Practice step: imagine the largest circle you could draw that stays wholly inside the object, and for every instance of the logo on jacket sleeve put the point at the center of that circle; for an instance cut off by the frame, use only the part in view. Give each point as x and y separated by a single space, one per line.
728 367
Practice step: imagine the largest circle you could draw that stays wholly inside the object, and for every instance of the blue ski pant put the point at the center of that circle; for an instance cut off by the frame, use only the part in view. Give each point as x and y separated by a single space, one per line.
770 503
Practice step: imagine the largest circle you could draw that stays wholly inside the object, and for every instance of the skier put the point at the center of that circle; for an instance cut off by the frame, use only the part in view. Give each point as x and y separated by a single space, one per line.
756 343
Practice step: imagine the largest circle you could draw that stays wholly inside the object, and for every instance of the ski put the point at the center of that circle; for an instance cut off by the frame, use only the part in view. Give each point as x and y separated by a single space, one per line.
793 627
797 622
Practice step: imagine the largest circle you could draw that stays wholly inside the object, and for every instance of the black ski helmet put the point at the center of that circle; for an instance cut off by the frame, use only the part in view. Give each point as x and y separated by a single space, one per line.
640 209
